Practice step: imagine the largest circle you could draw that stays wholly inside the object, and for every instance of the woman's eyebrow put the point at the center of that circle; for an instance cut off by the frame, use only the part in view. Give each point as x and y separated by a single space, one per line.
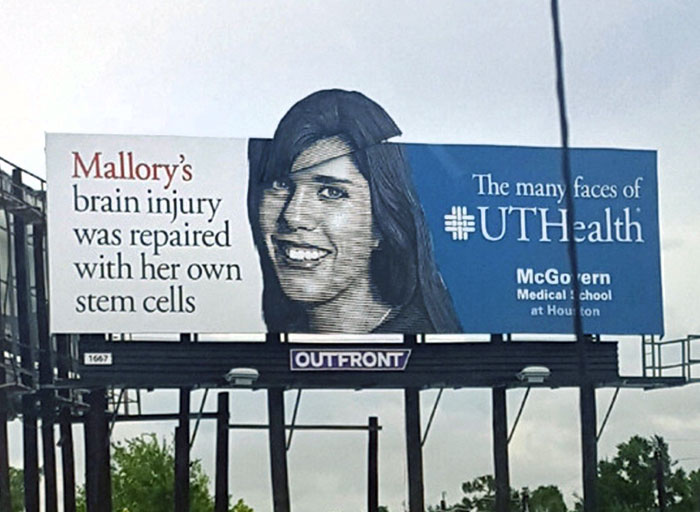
322 178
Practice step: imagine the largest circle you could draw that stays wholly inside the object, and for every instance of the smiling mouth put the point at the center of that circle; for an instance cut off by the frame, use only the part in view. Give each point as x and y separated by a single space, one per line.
304 255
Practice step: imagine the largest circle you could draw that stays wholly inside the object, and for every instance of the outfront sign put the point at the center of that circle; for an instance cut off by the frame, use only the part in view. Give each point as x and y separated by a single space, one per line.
176 234
348 359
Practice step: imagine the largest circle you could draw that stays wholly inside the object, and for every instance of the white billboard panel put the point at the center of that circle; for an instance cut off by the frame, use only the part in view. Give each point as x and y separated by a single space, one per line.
150 234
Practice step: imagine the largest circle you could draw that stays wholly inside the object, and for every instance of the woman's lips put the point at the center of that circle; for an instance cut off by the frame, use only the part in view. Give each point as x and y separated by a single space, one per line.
300 254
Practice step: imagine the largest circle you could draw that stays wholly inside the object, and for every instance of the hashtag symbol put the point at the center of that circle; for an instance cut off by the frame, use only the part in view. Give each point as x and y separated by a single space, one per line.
459 223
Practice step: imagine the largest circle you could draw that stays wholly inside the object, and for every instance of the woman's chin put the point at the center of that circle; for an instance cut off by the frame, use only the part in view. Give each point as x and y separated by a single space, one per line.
306 292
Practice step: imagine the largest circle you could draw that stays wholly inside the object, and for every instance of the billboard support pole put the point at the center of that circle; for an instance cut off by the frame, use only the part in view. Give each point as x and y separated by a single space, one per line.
66 426
45 373
48 443
67 460
414 448
5 502
182 454
222 450
373 466
97 474
500 448
278 450
31 453
277 441
24 320
500 442
589 448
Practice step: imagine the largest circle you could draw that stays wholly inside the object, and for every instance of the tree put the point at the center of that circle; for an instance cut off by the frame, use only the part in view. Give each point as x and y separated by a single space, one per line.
240 506
547 498
640 476
143 479
480 496
627 481
691 498
17 489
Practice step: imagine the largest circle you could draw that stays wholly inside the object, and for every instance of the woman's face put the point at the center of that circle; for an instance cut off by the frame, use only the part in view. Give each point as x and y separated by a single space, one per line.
317 224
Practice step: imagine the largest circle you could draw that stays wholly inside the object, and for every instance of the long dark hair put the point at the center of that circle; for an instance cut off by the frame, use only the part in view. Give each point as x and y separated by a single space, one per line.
402 268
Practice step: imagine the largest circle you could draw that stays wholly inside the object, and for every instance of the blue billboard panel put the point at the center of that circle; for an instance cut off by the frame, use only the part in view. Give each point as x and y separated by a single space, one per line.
497 216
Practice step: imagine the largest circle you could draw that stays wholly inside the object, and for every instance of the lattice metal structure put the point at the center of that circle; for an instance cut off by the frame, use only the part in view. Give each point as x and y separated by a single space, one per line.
672 358
18 201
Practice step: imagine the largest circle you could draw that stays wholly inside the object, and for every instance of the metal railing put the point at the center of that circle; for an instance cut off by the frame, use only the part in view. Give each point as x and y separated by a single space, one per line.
671 358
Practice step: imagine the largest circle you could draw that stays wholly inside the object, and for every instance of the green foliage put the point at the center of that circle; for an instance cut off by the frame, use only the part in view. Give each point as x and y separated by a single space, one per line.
17 489
240 506
691 494
547 498
480 496
631 480
143 479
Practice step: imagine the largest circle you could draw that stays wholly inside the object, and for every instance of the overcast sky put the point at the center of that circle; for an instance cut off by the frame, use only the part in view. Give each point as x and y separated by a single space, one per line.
471 72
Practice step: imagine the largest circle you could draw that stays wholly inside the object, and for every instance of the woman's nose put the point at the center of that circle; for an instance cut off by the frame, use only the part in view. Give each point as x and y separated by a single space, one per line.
298 212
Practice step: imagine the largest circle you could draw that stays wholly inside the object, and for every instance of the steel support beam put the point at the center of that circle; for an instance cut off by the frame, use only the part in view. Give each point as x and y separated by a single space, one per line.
373 465
182 454
222 453
5 499
589 448
500 449
45 372
97 470
414 450
66 426
24 321
278 450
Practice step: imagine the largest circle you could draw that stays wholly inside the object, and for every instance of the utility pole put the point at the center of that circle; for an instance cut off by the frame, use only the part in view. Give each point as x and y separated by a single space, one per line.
660 481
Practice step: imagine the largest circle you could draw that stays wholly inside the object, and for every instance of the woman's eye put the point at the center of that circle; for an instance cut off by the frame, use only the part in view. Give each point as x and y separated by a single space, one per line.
280 184
329 192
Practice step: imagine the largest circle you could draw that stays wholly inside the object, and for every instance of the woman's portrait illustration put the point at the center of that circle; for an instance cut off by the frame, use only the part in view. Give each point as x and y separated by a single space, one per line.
339 230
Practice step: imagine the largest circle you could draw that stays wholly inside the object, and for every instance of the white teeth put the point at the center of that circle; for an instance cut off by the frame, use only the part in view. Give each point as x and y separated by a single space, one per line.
299 254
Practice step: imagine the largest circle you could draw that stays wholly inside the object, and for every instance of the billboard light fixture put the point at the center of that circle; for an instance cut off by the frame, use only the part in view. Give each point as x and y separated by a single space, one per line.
534 374
242 376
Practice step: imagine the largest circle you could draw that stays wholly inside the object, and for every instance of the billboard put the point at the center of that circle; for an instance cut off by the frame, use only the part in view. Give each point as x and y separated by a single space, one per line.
330 227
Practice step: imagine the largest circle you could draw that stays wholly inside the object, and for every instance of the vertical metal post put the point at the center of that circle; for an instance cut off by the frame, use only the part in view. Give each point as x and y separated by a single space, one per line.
222 450
5 501
24 319
67 460
45 373
31 453
414 450
97 471
66 426
91 470
48 443
182 447
278 450
499 420
589 448
105 459
500 448
660 479
373 466
182 454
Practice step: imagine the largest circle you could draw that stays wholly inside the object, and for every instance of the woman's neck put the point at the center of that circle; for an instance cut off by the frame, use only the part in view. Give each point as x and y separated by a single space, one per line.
355 311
